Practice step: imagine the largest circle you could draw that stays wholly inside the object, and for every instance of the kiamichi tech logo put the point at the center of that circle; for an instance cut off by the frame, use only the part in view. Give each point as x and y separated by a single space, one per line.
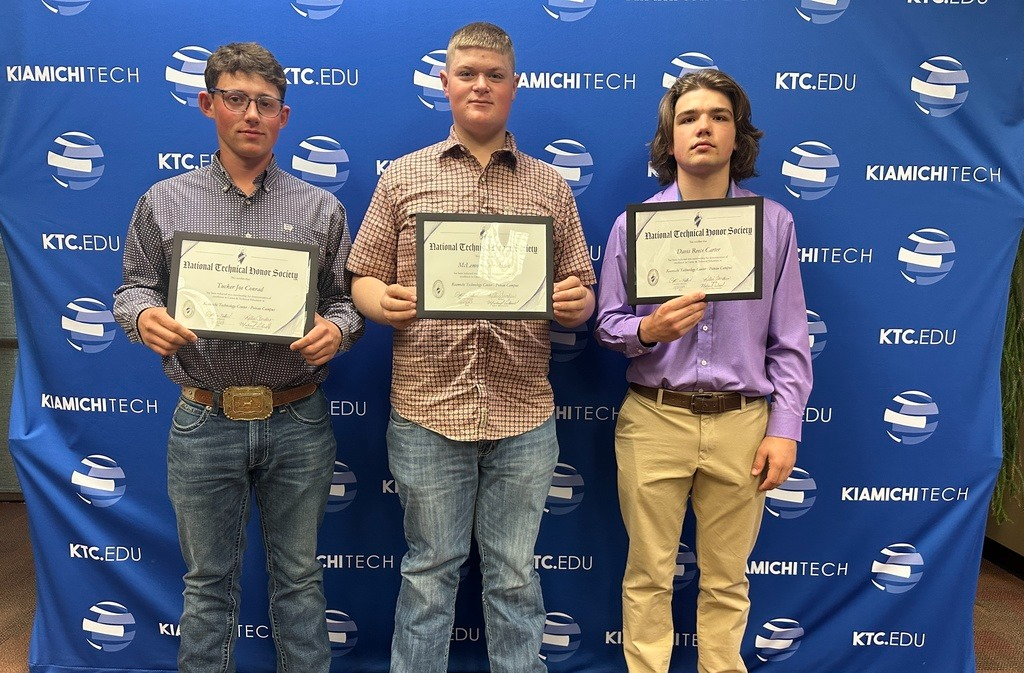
76 159
566 491
99 480
794 497
342 631
344 486
316 9
897 569
184 72
561 637
427 78
567 342
911 417
568 10
821 11
812 170
687 62
89 327
573 162
66 7
941 86
109 627
778 639
817 333
927 256
321 161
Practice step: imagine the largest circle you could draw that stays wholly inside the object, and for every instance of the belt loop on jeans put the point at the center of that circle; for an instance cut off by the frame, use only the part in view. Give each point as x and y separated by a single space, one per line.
661 397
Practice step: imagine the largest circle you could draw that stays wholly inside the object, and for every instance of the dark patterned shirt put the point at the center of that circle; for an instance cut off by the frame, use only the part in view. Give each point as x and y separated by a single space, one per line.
282 208
468 379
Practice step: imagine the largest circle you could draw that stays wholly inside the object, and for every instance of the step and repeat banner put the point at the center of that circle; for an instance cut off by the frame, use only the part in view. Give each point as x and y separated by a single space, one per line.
894 133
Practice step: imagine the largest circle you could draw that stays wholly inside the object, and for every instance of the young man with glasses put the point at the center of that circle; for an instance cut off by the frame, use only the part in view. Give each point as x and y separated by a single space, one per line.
252 420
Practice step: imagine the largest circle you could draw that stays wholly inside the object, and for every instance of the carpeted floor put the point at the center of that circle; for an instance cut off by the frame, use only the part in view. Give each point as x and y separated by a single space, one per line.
998 611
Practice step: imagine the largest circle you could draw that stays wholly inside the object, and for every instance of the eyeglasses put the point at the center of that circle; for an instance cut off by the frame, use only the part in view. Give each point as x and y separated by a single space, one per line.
237 101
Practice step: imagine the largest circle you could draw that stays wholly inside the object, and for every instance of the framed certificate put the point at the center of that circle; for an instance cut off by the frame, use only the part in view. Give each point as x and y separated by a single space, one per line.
714 246
230 287
493 267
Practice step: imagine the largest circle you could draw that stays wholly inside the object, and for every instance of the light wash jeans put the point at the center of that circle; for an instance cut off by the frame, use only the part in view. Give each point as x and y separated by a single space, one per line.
214 466
452 490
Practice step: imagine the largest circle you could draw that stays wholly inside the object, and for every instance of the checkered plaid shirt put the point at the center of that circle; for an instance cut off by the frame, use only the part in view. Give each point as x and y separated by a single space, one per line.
468 379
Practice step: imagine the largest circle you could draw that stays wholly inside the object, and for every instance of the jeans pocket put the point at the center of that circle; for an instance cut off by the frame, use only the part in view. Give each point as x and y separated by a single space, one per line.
312 410
189 416
399 422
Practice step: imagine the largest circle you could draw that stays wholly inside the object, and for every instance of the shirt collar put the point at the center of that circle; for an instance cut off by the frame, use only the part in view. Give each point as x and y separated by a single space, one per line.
453 147
671 193
263 182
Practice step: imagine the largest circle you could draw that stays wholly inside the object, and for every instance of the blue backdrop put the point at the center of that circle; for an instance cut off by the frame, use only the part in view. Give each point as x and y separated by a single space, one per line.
894 133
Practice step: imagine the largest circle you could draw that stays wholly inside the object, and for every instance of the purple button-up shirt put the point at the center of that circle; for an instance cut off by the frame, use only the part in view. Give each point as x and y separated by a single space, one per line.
755 347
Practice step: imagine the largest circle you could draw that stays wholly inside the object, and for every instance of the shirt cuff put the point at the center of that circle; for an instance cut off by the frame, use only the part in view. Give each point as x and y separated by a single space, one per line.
784 424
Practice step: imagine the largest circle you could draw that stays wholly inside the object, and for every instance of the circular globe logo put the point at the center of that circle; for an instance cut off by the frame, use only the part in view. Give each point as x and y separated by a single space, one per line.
794 497
109 626
66 7
76 160
811 171
342 632
817 332
89 327
321 161
567 343
99 480
343 488
821 11
897 569
686 568
573 162
561 637
568 10
911 417
778 639
184 72
427 79
566 491
940 85
927 256
687 62
316 9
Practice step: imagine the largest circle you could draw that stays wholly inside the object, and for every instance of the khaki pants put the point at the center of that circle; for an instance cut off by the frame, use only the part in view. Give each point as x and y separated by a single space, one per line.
665 454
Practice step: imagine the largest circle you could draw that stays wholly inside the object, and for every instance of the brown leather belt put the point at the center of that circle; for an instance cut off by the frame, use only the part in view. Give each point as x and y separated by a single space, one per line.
247 403
698 403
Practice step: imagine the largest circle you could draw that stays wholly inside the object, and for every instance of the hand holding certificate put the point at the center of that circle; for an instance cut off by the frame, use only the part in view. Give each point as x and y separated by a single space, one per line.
230 287
713 246
484 266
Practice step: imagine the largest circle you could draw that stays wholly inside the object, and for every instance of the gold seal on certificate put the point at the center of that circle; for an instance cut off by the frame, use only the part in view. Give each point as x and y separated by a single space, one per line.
675 248
492 267
231 287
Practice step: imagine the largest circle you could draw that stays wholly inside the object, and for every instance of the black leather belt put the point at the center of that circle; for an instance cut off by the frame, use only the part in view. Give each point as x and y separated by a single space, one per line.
698 403
247 403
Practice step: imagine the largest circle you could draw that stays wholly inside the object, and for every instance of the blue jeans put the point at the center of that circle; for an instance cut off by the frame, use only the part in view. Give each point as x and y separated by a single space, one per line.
214 466
451 490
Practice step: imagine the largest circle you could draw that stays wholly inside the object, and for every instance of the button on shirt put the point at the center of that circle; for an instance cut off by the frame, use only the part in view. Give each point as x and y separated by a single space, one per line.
468 379
206 201
754 347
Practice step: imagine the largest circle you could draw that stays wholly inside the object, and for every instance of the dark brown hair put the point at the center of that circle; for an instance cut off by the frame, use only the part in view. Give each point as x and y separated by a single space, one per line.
744 156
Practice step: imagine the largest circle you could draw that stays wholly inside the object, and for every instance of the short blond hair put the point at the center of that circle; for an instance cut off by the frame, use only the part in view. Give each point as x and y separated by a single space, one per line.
482 35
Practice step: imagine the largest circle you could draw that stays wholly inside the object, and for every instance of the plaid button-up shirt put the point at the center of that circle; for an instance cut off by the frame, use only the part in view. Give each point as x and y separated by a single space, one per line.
468 379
